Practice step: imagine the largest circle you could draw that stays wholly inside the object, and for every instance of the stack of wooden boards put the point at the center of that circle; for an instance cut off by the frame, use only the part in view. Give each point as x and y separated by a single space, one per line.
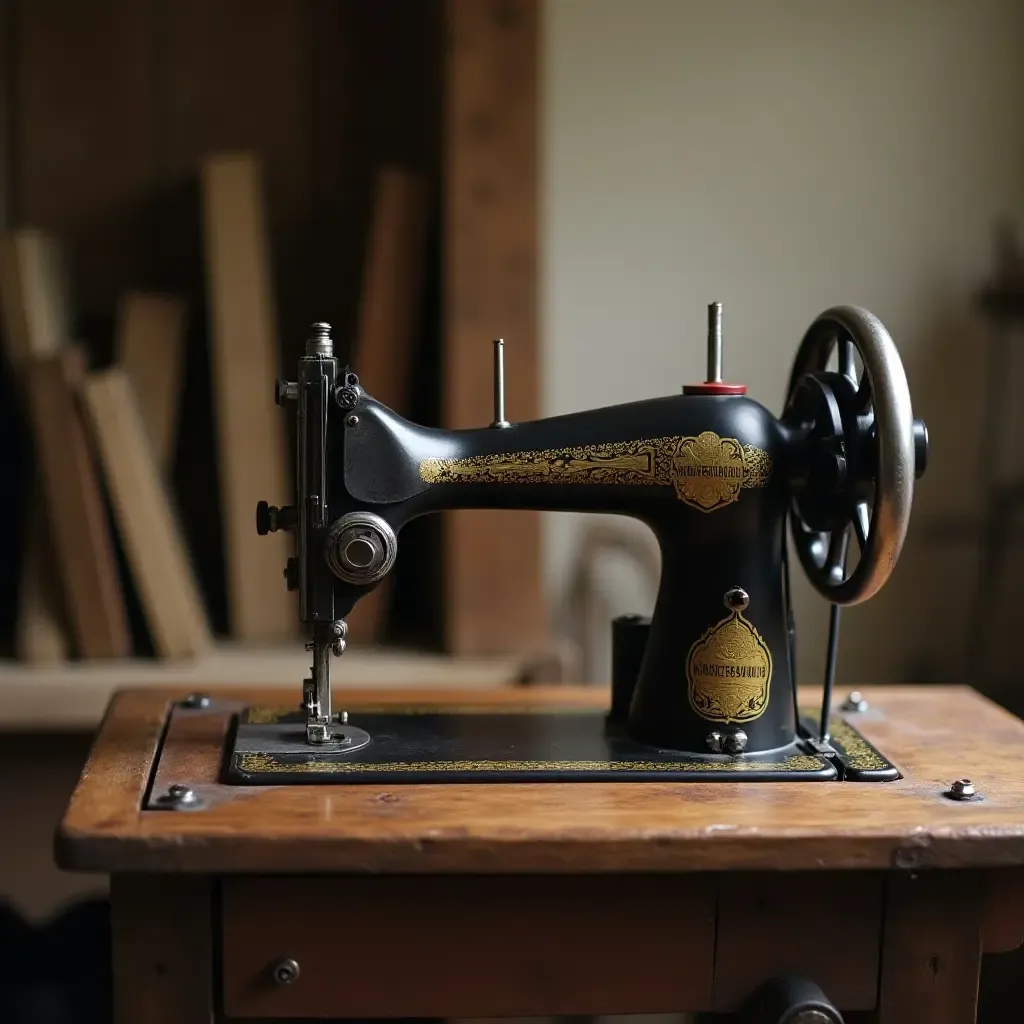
104 440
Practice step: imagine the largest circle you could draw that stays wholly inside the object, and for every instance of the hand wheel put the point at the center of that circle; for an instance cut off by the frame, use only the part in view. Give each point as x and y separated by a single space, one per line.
862 450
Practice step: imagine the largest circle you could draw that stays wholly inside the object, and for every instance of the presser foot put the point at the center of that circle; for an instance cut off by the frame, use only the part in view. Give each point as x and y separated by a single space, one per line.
271 734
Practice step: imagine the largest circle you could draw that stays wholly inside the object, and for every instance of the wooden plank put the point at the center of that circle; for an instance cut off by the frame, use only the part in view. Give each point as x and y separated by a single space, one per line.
494 595
7 155
40 634
931 951
162 932
82 541
251 429
237 78
33 301
389 321
86 135
595 827
469 946
33 293
73 696
150 348
796 910
1004 911
156 552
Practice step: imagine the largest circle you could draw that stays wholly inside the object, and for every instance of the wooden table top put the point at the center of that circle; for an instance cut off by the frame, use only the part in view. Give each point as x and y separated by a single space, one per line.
934 734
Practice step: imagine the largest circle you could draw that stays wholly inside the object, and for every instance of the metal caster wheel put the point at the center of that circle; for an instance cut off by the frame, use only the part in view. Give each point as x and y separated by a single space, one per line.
789 1001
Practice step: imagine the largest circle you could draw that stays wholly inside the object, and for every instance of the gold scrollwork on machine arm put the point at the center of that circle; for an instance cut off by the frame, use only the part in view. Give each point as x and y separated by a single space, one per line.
707 472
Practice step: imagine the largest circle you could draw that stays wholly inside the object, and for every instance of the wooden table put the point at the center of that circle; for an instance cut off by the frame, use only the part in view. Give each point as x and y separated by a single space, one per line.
577 898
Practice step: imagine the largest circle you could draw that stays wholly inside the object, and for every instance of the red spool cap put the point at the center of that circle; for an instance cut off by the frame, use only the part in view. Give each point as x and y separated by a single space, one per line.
714 388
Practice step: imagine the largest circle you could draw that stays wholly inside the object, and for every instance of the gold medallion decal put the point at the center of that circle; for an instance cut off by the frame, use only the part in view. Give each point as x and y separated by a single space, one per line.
707 472
729 669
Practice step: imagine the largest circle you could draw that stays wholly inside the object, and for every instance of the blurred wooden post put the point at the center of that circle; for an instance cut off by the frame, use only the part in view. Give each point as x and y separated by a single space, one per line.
389 320
494 597
156 551
251 429
150 348
82 539
35 323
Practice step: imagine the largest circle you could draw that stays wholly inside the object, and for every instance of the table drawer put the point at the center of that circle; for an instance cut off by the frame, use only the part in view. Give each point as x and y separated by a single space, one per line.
468 946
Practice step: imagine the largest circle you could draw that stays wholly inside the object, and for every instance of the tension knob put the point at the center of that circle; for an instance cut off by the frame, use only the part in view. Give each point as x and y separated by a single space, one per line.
285 391
361 548
266 518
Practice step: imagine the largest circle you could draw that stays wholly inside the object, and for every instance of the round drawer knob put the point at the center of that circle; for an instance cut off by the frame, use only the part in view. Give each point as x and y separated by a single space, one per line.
285 972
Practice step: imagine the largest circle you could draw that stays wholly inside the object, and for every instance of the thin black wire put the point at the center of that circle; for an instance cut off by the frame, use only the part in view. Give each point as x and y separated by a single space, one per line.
790 622
830 669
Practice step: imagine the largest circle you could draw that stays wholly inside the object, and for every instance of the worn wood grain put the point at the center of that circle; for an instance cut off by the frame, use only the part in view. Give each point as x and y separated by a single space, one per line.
491 224
192 732
163 969
1004 910
156 552
930 732
83 544
150 348
469 946
771 925
251 429
931 949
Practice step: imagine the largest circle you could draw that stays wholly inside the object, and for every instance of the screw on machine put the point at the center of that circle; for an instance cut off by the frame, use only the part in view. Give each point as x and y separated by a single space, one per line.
962 789
179 797
854 702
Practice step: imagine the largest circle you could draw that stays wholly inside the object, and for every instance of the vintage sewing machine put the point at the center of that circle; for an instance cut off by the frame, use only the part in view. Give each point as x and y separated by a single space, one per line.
703 690
570 850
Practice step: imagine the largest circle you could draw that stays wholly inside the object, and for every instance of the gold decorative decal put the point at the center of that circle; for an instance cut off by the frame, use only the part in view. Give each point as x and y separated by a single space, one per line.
859 753
707 471
259 764
266 715
729 671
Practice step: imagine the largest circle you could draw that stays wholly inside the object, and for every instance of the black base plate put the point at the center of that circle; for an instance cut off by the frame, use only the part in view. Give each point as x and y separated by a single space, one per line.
429 745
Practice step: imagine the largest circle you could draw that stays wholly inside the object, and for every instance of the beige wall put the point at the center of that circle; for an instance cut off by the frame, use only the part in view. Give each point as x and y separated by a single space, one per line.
782 157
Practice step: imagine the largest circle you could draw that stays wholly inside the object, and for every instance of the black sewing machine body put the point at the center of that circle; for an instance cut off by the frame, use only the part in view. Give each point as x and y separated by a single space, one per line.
708 474
707 688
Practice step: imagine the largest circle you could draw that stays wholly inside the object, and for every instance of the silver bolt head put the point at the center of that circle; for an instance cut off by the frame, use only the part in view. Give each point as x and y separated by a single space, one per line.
714 742
962 789
343 717
812 1016
735 742
178 795
855 701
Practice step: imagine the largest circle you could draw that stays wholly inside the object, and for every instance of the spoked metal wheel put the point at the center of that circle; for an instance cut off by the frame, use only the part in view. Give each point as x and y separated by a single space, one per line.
864 450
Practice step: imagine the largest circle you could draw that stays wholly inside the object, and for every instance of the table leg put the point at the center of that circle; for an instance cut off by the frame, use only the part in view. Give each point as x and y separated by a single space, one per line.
931 948
162 949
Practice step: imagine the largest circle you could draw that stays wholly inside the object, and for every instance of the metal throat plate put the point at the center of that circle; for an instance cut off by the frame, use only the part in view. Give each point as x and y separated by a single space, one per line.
416 745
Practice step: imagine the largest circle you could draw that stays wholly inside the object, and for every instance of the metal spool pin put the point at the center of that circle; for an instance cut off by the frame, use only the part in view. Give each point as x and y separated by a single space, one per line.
499 384
714 343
